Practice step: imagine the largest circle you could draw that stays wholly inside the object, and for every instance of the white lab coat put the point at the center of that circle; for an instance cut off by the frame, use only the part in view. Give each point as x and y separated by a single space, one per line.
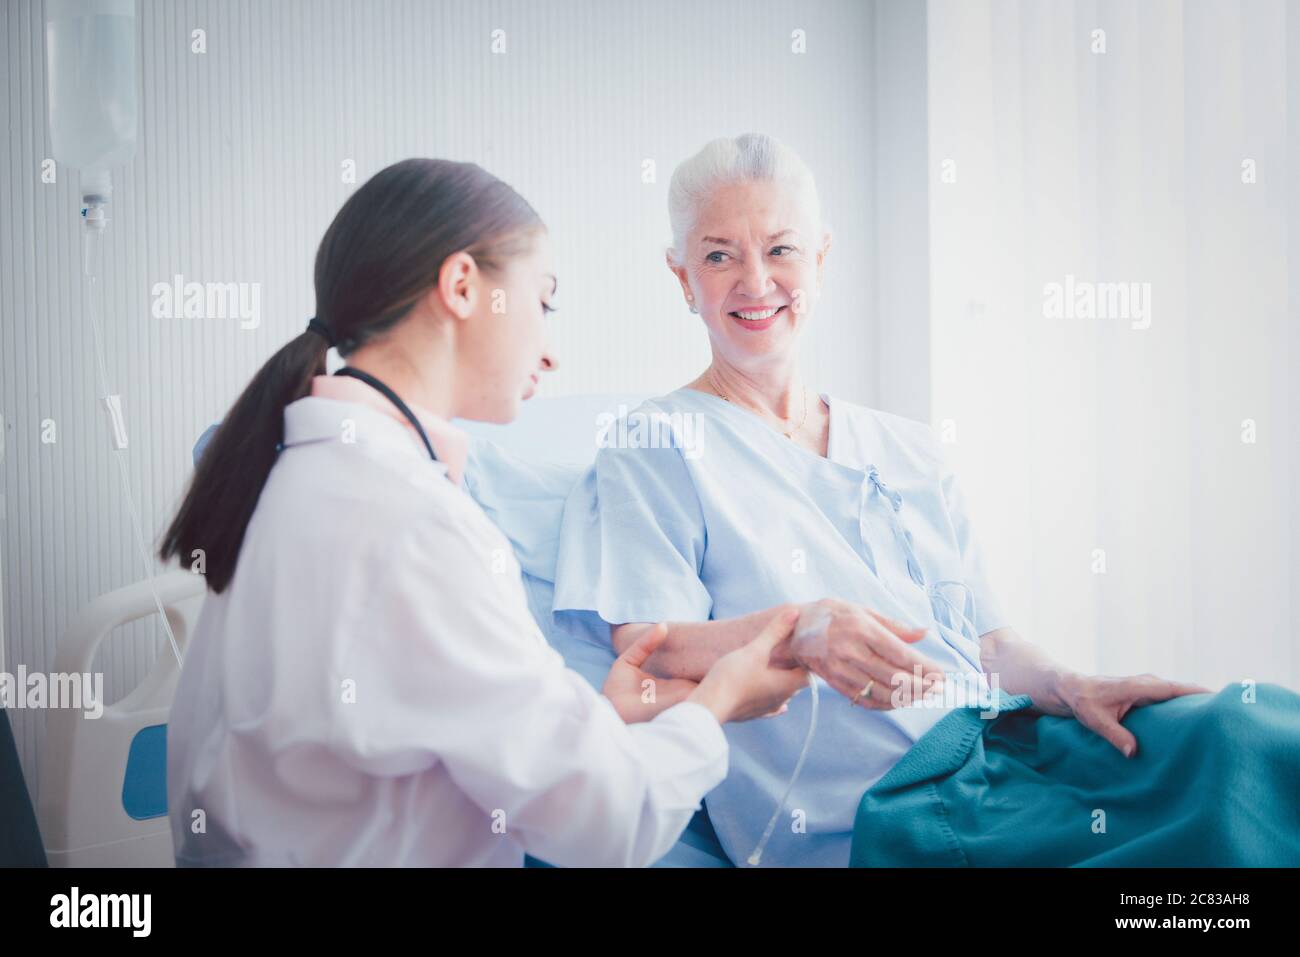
371 689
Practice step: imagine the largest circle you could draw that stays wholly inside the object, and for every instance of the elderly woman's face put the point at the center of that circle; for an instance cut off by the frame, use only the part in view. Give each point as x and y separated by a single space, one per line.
753 266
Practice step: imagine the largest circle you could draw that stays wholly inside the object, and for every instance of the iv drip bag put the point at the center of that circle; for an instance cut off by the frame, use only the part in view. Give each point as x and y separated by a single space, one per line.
90 58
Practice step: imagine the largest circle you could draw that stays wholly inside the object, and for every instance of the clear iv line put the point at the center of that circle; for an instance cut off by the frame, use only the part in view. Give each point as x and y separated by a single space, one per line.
91 260
815 627
807 743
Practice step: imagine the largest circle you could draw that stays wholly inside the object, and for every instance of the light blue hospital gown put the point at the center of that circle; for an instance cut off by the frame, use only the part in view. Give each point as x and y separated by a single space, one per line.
727 516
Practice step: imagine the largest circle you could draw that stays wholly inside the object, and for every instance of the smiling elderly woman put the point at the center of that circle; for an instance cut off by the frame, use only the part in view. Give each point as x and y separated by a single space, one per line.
795 496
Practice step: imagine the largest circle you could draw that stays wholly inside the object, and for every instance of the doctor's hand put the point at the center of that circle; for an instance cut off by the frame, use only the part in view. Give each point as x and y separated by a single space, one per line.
746 683
636 694
858 646
1100 703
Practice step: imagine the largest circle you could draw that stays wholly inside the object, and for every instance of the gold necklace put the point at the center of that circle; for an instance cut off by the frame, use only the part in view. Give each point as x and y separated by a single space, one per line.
789 435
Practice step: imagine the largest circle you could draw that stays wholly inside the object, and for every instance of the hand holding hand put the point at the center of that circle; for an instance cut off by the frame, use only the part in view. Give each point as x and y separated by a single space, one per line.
638 695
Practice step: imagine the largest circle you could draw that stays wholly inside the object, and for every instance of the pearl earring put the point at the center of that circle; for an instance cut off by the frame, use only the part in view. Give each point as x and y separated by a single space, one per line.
692 304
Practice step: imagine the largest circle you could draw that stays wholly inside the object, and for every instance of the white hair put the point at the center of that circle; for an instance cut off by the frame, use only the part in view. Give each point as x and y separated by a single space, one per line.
725 161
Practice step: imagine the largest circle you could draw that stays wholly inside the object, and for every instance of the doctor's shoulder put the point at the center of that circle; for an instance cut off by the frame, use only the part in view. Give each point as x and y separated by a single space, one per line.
385 499
442 533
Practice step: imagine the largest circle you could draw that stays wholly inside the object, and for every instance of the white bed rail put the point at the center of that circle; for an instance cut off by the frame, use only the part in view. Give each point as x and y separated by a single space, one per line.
91 814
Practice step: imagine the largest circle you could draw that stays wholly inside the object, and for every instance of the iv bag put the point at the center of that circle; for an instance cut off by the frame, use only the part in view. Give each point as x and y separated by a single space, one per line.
90 61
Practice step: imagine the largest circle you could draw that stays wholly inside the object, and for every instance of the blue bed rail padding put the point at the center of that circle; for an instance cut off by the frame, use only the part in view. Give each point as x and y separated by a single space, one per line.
144 783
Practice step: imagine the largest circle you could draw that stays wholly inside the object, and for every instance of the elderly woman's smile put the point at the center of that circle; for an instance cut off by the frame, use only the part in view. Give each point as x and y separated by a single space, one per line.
757 317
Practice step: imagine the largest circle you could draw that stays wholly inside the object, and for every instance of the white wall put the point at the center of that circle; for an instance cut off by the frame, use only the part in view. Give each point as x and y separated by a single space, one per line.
1082 434
238 173
902 195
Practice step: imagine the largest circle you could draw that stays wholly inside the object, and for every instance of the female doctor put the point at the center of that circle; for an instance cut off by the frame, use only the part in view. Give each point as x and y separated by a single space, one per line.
366 685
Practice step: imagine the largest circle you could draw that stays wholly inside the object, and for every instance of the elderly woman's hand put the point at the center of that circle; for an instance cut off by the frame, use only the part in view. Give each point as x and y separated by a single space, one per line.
1100 703
858 646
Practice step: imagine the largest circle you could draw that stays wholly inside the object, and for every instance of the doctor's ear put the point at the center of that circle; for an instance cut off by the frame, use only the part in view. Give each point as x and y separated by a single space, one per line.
457 288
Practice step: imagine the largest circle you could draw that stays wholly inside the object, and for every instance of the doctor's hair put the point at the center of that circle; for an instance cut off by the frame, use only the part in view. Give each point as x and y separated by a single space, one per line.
725 162
379 256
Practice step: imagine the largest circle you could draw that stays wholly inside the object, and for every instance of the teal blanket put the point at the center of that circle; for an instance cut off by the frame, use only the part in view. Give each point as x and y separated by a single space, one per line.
1215 782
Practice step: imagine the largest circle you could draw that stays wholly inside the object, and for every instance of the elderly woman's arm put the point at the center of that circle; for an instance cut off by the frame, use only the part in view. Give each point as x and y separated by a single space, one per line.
1021 667
857 646
692 647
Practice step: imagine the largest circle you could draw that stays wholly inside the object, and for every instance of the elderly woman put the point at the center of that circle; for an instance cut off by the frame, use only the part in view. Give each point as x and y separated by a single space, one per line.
786 494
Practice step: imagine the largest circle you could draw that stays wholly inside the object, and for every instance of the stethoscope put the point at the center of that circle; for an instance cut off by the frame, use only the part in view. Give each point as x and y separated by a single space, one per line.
392 397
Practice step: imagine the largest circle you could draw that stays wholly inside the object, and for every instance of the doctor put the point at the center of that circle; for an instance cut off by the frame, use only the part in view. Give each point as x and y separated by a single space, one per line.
366 685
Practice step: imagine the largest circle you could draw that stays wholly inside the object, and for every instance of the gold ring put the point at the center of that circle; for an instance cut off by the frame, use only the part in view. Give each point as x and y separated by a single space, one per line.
865 692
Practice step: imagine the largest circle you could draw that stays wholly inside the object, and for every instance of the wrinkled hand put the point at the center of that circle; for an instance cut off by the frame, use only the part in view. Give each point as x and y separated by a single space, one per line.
638 695
859 645
1100 703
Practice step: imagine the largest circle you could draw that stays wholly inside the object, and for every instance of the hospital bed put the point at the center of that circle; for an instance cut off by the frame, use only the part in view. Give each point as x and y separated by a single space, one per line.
103 798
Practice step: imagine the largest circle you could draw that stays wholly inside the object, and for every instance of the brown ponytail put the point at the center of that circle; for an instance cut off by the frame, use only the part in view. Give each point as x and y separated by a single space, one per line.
381 253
